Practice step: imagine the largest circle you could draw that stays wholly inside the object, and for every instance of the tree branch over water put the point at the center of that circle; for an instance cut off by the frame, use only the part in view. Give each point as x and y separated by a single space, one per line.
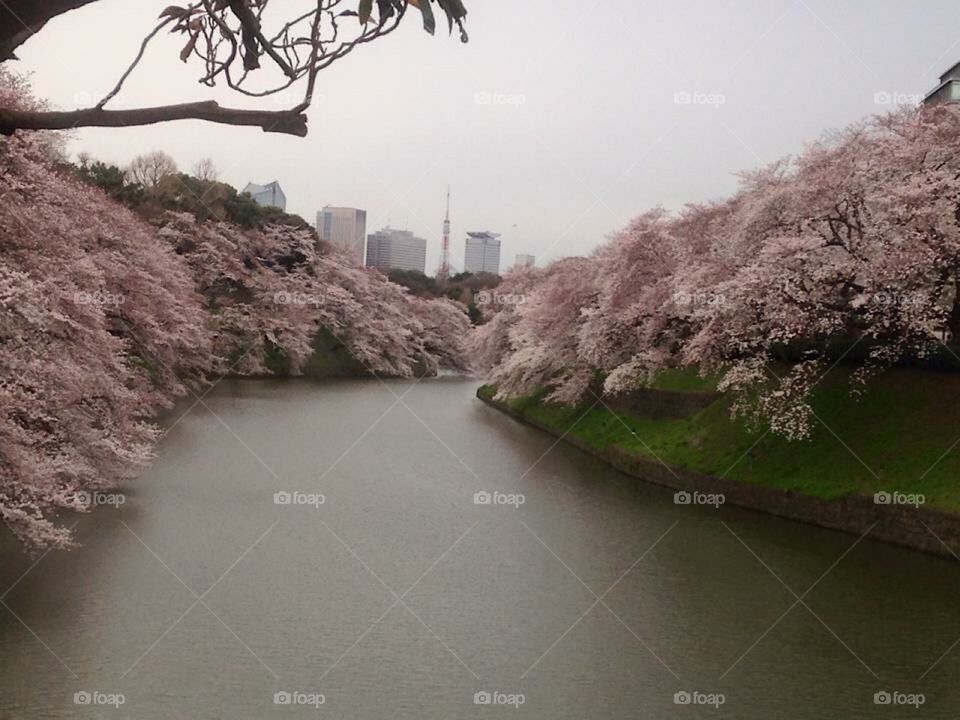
289 122
230 39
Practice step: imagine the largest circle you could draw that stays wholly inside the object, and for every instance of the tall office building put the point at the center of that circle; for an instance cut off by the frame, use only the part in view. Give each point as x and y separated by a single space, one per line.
344 226
390 249
482 253
269 195
525 261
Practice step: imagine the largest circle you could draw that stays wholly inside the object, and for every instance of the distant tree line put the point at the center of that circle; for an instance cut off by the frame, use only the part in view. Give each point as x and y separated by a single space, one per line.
153 184
462 287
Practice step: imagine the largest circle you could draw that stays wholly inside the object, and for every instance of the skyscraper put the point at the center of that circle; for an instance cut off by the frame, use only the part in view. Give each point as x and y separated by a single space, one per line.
525 261
344 226
482 252
390 249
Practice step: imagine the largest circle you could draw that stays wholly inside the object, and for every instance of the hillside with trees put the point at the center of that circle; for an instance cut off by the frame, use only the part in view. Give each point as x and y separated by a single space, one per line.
120 298
465 287
849 252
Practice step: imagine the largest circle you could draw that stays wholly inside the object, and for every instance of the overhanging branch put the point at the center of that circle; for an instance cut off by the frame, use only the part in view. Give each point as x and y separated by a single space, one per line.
21 19
290 122
218 33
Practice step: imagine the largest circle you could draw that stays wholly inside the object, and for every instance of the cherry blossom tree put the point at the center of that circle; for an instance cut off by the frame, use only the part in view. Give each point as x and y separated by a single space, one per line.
99 326
271 290
849 250
539 329
105 318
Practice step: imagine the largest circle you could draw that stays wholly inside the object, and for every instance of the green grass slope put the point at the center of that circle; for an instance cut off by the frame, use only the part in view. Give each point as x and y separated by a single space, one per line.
903 435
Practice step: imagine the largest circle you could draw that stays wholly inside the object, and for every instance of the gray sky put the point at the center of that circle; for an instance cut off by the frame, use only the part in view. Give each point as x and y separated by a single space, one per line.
585 128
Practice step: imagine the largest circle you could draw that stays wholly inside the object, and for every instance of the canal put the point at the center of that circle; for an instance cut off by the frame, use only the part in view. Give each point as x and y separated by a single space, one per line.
361 549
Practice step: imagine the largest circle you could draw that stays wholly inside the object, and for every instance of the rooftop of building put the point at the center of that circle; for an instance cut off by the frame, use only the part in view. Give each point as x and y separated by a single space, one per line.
257 188
952 73
949 77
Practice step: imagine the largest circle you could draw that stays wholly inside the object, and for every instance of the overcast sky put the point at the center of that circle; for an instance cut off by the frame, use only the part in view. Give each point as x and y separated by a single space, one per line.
578 128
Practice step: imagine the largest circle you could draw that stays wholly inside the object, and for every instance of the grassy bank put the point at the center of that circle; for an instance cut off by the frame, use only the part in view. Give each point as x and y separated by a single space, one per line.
900 436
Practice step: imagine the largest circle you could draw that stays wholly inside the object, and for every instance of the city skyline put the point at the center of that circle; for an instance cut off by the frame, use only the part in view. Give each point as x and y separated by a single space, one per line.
457 259
546 140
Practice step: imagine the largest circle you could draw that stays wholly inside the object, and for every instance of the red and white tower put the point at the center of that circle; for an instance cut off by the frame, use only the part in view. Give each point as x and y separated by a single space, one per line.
444 272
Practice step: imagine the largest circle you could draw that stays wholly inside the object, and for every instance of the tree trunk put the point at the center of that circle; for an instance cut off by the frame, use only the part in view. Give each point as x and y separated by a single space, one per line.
955 314
20 19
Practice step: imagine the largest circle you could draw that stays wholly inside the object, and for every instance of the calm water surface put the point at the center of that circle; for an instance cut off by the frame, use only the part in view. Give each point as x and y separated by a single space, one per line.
399 597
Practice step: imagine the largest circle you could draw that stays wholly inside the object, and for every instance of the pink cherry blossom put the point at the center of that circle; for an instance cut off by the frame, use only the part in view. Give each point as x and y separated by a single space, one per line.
106 318
853 246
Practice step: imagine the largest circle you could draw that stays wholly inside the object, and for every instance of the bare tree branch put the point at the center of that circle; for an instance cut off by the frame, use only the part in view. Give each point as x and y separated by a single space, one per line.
227 37
290 122
136 61
253 39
